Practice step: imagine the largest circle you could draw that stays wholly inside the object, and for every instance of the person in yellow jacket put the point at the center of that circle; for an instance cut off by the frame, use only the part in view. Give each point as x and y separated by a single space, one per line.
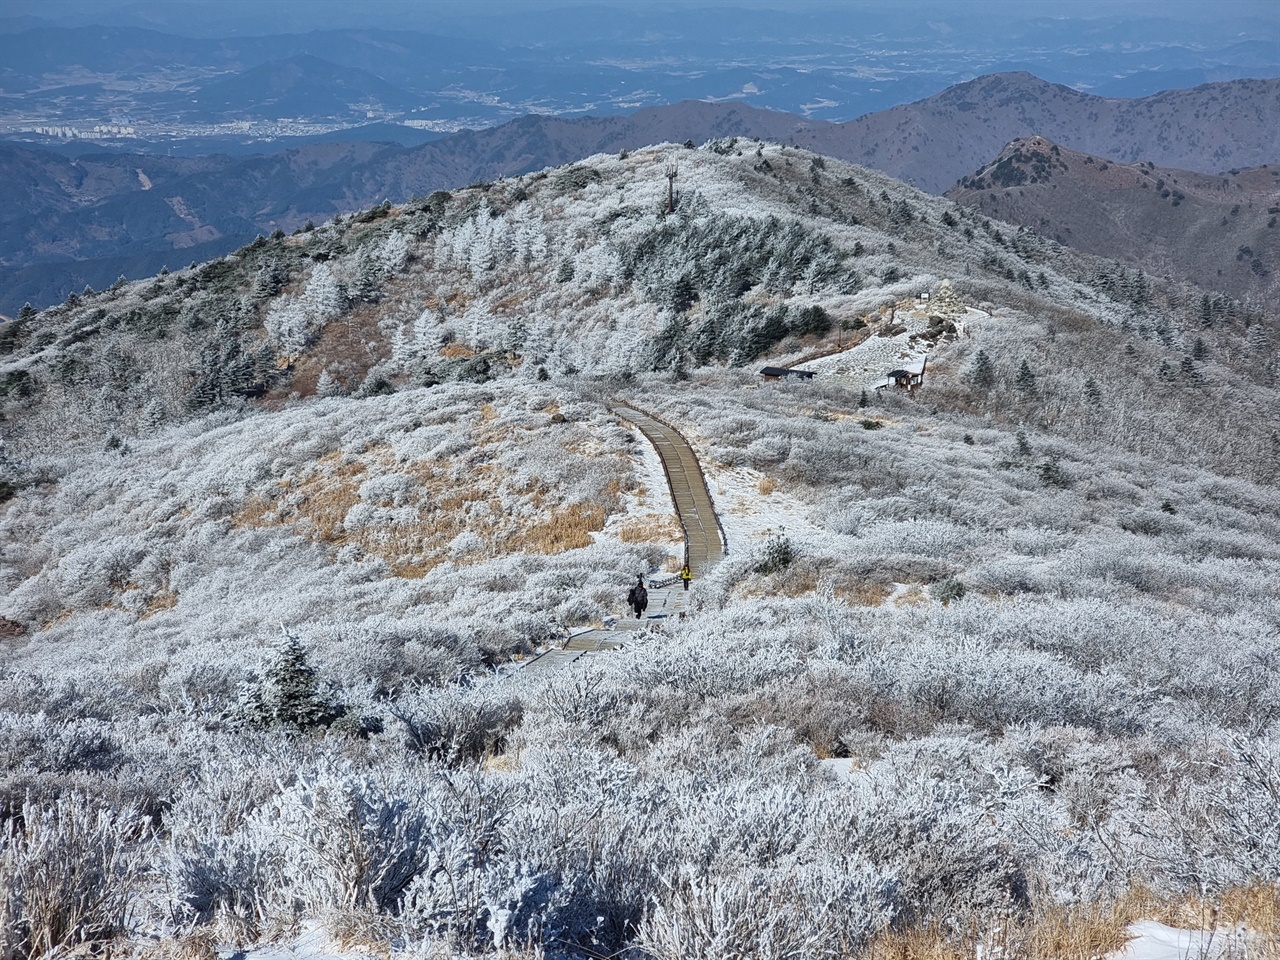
686 575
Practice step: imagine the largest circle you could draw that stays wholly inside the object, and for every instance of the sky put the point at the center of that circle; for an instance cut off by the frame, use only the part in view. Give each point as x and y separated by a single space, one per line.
231 17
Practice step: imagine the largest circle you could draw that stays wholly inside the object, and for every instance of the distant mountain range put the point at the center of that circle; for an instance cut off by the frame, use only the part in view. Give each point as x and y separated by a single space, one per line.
130 214
472 65
1220 231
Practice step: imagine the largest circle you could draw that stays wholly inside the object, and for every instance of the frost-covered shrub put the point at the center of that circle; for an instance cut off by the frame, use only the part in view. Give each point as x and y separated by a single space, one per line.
768 451
776 556
68 874
456 725
1224 831
781 914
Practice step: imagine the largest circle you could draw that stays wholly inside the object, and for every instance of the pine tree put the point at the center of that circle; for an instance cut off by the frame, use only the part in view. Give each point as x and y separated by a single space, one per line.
982 375
289 694
1092 393
1026 380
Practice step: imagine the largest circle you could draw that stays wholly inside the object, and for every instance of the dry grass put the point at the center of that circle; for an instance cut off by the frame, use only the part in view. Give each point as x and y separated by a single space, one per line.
651 528
197 944
456 299
365 931
347 347
457 351
164 600
913 596
1092 931
440 501
766 486
863 593
566 529
510 302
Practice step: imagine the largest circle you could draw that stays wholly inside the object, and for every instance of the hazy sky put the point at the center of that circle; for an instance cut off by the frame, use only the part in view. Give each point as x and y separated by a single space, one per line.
268 16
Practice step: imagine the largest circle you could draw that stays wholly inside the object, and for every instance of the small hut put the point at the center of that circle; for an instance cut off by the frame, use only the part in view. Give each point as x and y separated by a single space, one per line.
783 373
904 378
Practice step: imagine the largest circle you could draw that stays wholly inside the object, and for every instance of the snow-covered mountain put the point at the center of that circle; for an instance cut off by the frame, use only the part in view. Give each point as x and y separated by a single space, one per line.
278 530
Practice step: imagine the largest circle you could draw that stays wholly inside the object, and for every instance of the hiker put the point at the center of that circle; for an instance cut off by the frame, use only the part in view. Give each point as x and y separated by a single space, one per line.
685 576
638 598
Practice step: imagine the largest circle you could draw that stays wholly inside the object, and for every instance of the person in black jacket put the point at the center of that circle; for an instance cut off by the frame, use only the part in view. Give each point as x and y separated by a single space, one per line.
638 598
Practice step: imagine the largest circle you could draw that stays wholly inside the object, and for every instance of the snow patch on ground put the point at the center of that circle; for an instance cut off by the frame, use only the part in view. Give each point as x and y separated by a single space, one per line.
1156 941
750 515
867 364
313 943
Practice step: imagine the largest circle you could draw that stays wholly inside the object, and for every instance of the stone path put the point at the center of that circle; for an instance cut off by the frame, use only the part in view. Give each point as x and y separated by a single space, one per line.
704 547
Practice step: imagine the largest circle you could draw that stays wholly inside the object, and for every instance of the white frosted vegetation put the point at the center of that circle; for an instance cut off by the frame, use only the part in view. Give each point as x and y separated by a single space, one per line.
1034 617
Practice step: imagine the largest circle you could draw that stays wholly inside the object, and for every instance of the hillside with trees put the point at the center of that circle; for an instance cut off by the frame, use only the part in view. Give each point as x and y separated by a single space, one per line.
1219 231
990 665
70 223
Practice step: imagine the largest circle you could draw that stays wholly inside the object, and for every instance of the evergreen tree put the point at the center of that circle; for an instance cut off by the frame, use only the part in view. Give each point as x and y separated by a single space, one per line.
683 293
1092 393
983 374
1026 380
289 695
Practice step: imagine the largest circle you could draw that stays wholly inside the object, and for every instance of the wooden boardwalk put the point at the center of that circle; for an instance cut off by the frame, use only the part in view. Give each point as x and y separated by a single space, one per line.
703 538
704 546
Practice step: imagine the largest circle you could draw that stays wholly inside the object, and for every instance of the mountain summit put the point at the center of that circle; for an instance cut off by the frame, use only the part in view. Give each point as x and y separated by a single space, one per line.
1220 231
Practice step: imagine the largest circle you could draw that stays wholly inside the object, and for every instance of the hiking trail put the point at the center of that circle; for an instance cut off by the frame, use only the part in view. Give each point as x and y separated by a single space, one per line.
703 538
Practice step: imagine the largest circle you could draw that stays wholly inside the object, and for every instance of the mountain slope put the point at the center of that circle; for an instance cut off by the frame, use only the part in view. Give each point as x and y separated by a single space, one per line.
934 142
280 529
931 143
1221 232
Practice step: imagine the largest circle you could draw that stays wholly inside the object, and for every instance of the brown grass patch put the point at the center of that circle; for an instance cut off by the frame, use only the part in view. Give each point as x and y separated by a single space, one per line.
913 596
1091 931
441 502
766 485
566 529
164 600
457 351
863 593
348 346
314 506
509 303
651 528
